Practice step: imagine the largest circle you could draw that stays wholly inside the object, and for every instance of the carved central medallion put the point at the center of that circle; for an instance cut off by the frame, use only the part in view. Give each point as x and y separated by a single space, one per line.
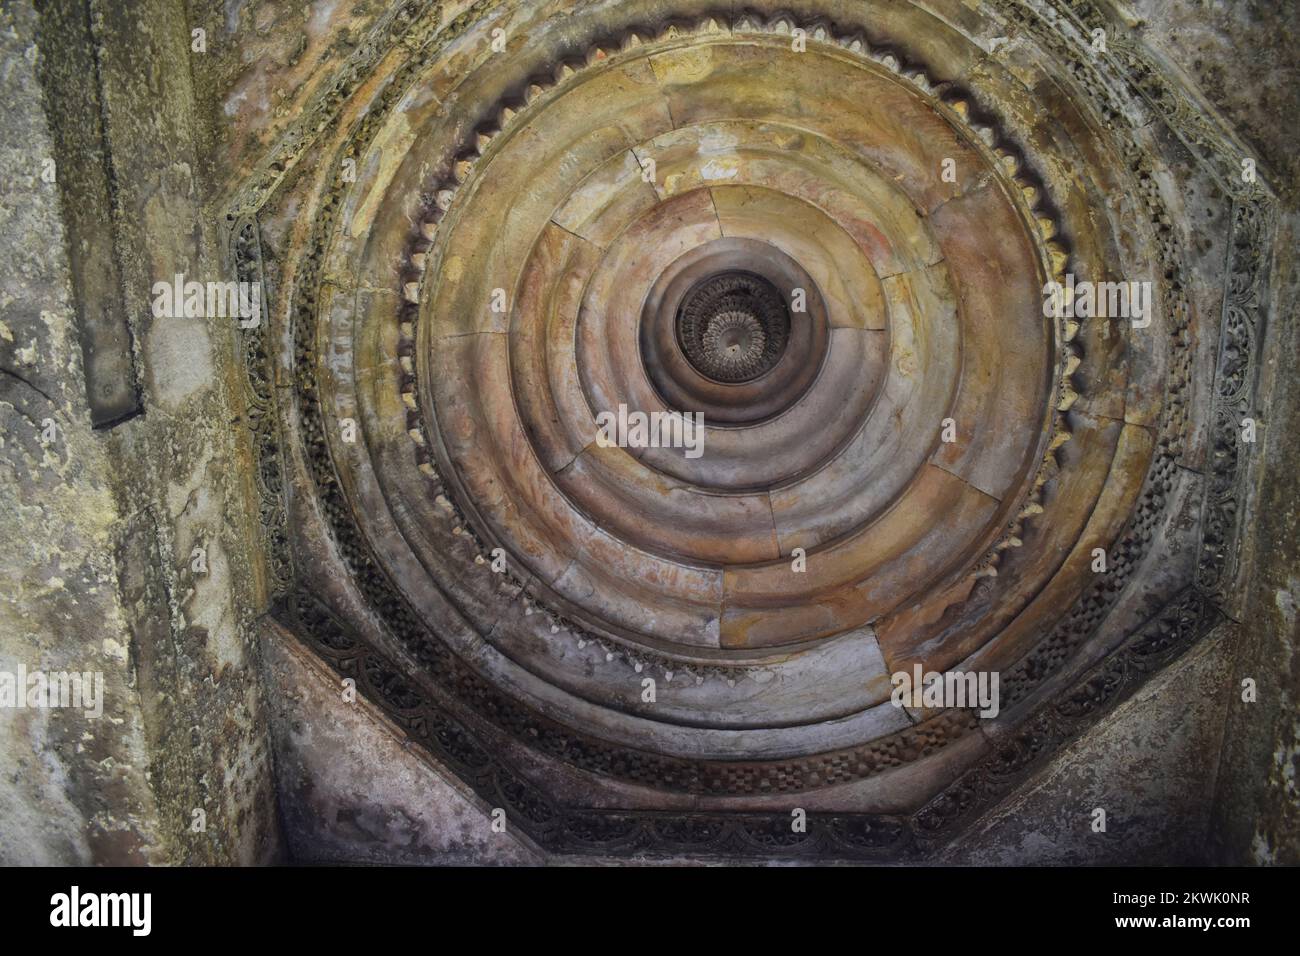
733 327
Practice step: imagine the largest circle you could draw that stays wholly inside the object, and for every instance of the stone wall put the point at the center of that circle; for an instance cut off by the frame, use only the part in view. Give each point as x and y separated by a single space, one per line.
72 789
104 523
1257 810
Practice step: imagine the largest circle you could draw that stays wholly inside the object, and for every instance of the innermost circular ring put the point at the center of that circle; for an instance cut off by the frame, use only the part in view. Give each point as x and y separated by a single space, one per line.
733 326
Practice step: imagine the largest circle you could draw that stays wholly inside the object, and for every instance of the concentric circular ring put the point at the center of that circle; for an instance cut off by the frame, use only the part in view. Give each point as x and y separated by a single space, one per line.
800 332
901 493
703 534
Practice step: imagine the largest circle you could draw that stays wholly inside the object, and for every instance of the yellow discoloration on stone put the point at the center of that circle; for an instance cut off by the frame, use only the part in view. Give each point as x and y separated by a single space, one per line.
390 148
686 65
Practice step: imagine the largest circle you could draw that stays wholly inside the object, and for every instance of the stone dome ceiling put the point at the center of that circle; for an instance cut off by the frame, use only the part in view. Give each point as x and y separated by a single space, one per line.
827 229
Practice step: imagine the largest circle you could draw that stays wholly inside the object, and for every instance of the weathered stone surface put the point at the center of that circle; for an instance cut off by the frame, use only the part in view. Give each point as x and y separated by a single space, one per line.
334 807
1257 810
75 789
478 226
111 519
1151 767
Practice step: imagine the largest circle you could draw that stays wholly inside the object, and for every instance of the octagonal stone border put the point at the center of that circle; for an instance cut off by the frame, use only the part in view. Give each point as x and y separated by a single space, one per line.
1194 612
